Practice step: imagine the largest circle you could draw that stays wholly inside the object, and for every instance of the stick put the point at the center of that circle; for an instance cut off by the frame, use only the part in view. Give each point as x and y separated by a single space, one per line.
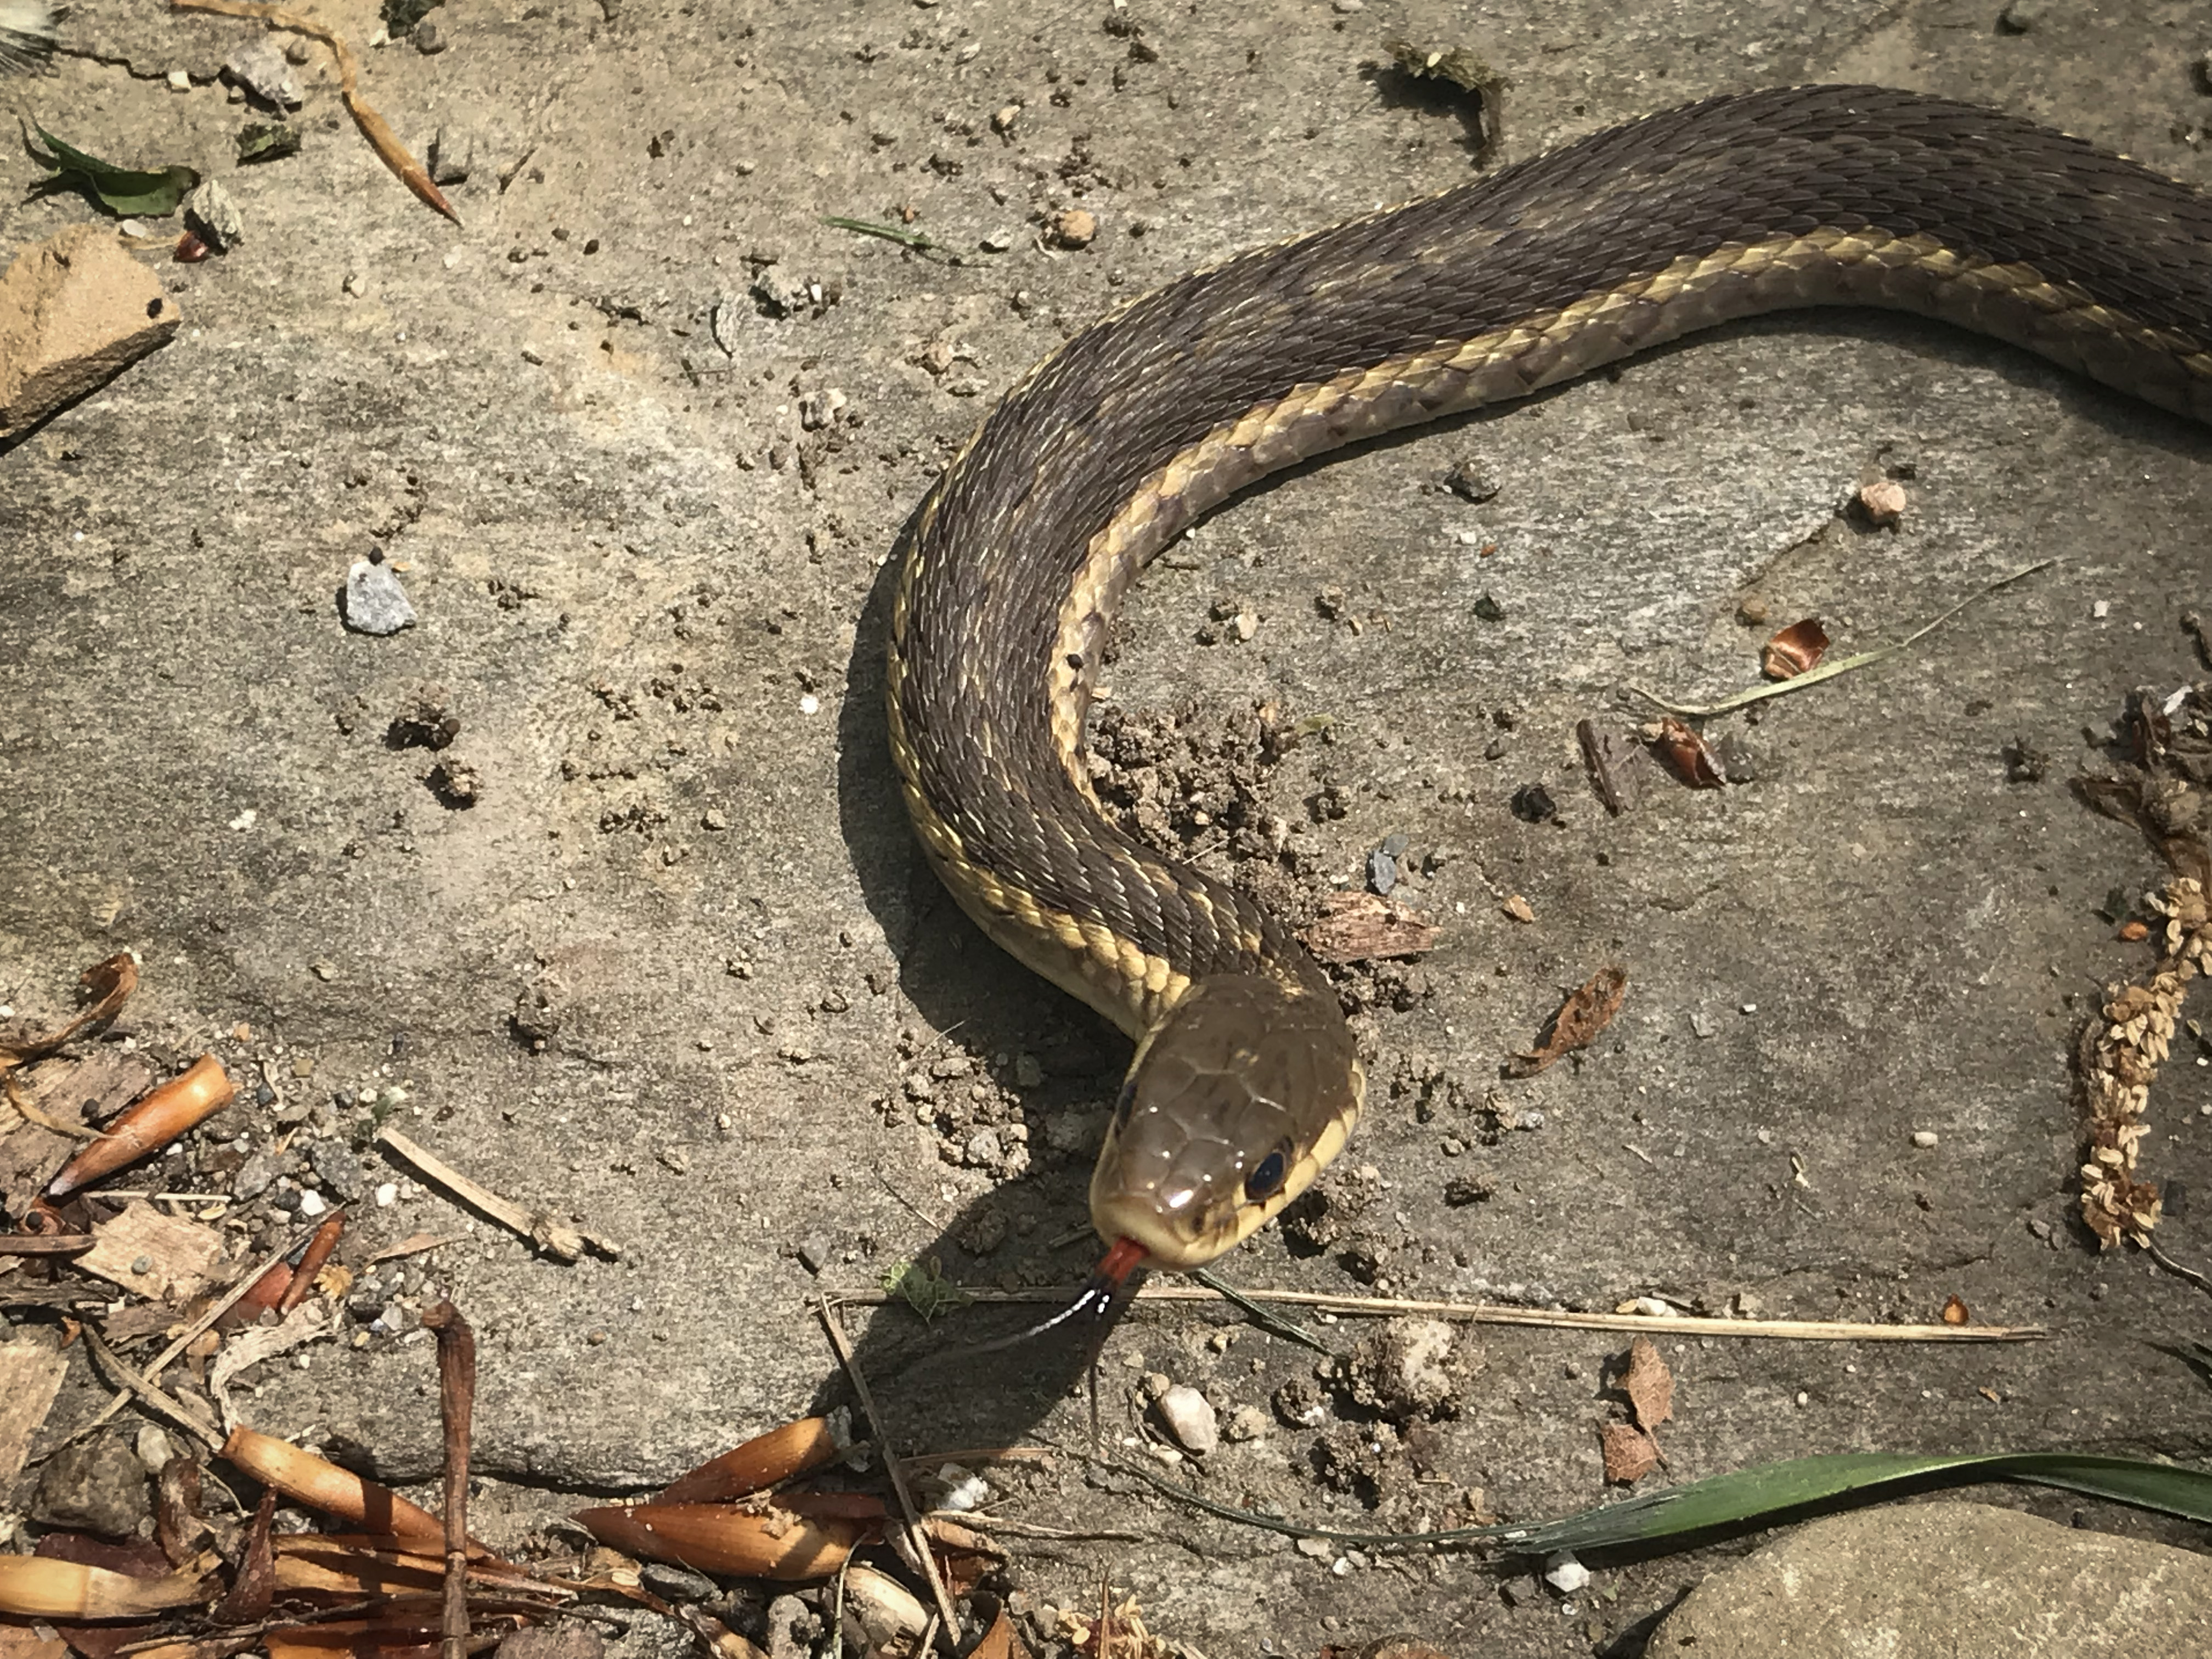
917 1539
456 1395
555 1237
136 1382
1491 1313
1828 671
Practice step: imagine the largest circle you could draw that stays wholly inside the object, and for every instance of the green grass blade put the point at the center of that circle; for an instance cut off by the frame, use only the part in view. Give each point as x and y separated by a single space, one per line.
1756 1496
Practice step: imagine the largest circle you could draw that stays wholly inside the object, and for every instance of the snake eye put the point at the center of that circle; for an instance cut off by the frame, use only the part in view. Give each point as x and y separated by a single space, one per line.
1265 1177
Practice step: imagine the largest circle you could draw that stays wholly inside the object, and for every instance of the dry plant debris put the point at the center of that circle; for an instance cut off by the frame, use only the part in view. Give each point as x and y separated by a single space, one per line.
1363 928
1631 1449
1683 751
374 127
1795 650
1586 1011
2120 1060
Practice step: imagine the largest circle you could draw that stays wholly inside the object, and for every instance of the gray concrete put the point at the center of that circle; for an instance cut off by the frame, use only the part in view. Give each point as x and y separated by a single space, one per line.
636 574
1958 1579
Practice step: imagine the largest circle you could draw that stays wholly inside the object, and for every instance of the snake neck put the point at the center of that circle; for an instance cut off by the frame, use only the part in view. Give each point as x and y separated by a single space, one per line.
1013 568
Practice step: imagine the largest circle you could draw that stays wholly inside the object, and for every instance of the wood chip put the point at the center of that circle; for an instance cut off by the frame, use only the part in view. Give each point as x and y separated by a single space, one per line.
1585 1013
30 1375
164 1258
1362 927
87 1091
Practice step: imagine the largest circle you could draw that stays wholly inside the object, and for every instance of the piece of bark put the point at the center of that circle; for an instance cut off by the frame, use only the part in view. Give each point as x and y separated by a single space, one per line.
30 1376
75 311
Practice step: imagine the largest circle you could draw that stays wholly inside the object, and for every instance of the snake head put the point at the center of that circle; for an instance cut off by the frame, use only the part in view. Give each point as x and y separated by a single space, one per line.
1232 1105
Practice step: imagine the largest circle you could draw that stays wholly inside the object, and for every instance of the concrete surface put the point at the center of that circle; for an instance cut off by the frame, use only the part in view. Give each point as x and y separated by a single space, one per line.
676 970
1961 1579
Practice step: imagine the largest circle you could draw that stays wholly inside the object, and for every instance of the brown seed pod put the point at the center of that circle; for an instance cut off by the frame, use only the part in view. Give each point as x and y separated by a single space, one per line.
155 1122
716 1538
35 1587
191 250
759 1463
1797 647
307 1479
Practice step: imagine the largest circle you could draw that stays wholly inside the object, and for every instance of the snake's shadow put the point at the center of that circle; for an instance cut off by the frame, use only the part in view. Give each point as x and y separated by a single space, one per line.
934 1389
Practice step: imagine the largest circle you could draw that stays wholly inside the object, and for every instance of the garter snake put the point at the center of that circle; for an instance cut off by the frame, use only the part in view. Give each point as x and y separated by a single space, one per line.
1246 1079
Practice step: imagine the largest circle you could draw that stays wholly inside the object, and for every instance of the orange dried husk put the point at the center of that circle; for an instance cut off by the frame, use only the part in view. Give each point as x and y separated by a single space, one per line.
155 1122
321 1485
404 1636
39 1586
1796 648
322 1563
759 1463
716 1538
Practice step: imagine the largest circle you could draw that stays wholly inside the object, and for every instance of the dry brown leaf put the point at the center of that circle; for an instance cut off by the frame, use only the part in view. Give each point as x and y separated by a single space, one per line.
1649 1385
1629 1453
1586 1011
1796 648
1361 926
1685 754
1000 1642
1517 909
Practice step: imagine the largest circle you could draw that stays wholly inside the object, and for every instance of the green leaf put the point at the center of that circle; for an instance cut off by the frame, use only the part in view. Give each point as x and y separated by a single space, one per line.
924 1288
267 142
1762 1494
123 190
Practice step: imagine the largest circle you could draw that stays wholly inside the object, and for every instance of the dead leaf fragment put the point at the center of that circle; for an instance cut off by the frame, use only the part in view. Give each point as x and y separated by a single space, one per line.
1629 1453
1362 926
1796 648
1649 1384
108 985
1519 909
1586 1011
1684 751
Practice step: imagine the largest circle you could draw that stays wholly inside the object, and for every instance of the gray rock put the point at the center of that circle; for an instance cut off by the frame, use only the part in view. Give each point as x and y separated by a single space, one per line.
253 1176
374 601
1954 1578
676 1583
341 1172
213 216
96 1486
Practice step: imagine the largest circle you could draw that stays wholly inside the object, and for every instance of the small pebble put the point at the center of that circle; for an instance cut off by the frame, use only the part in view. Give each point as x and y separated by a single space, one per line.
387 1194
428 41
1923 1138
1566 1575
814 1254
2020 16
374 601
311 1204
180 81
1073 228
1189 1417
1883 501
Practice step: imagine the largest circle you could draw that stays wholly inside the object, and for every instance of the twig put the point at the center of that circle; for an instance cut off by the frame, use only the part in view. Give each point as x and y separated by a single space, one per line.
917 1539
2174 1268
382 138
134 1381
457 1396
556 1238
1828 671
918 240
1491 1313
2193 625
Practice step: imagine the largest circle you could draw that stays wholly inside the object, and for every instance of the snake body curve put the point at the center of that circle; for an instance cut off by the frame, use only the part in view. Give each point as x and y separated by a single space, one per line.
1246 1080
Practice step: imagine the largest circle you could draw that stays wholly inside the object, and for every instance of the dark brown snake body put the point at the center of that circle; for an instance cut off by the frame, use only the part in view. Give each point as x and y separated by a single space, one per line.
1246 1080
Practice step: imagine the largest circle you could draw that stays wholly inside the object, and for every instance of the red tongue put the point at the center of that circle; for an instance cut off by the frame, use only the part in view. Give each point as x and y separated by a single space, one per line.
1126 1256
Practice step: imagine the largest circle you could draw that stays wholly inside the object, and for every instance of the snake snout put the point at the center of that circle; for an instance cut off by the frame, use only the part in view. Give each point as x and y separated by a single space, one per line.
1232 1106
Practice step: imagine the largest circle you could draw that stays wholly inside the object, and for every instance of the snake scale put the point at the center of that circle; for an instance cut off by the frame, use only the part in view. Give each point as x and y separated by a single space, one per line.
1246 1080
